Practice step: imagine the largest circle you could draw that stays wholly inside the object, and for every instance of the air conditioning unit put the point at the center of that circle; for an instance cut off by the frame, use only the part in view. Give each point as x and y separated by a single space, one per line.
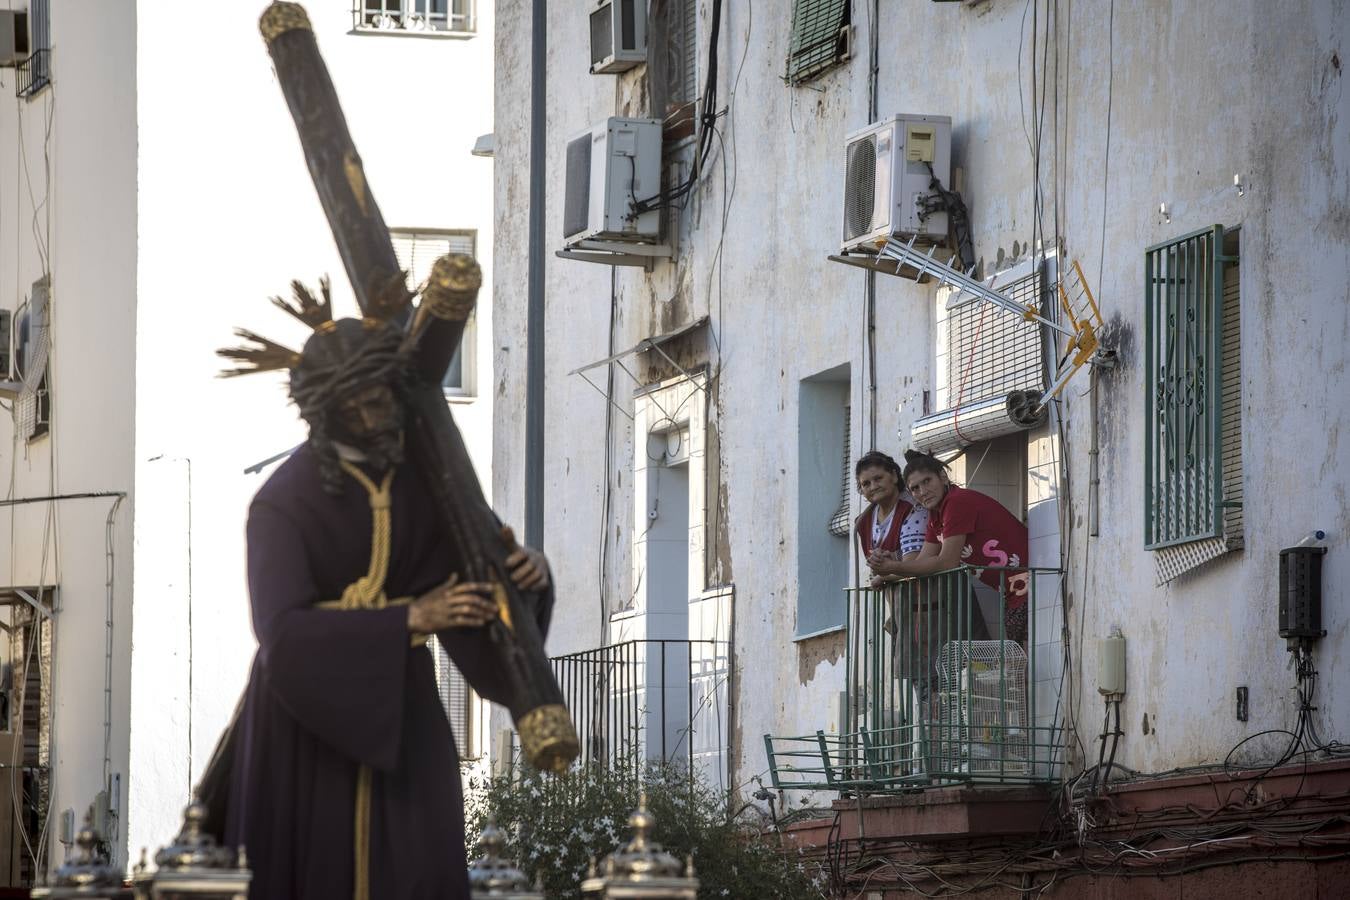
887 180
610 167
13 37
618 35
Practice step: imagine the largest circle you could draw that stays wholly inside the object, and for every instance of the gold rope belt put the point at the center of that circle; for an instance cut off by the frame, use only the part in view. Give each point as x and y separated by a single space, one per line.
367 592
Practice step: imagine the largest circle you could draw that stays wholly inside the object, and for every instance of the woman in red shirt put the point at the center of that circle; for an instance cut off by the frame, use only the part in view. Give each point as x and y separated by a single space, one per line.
971 528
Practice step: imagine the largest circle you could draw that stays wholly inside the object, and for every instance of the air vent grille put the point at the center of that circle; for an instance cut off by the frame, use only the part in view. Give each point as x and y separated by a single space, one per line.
602 34
577 203
860 187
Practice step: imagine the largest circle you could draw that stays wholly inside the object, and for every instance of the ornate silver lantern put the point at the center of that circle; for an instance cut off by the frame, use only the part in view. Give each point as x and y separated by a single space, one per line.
87 875
641 870
491 875
194 866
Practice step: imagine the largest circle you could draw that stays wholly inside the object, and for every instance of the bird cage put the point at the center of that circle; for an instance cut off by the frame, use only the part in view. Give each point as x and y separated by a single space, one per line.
982 726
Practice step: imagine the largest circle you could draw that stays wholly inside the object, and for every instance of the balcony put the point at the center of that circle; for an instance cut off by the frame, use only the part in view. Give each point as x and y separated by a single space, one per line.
939 693
644 702
33 74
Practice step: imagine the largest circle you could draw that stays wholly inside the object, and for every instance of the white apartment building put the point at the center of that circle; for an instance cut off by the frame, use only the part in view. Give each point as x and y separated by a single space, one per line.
690 488
154 196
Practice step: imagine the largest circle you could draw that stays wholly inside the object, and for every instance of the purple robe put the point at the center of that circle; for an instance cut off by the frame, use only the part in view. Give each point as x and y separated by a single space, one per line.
333 689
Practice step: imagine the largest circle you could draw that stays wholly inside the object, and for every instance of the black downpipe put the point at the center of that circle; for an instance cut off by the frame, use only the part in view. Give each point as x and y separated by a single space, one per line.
534 315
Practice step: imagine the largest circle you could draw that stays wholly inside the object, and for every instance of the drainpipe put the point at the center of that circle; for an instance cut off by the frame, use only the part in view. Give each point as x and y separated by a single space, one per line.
873 71
534 314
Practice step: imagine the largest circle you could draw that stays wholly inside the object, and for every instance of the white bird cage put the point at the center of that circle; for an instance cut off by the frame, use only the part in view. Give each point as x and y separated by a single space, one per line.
983 708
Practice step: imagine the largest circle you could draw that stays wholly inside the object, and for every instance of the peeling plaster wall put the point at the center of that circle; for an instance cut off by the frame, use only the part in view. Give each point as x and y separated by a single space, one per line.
1200 91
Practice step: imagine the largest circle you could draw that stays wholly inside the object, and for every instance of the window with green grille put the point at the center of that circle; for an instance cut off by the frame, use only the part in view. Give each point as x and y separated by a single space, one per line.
1191 389
820 38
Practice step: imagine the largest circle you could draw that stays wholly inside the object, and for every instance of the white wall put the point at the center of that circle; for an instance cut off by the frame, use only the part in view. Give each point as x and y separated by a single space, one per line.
74 141
1196 97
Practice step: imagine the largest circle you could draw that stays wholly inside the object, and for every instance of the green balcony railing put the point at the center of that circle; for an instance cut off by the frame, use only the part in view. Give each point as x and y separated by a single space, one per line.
947 683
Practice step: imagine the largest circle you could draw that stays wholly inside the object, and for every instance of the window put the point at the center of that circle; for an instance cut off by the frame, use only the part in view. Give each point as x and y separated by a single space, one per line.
33 407
451 16
1193 428
416 251
823 551
457 698
35 73
821 38
984 353
681 52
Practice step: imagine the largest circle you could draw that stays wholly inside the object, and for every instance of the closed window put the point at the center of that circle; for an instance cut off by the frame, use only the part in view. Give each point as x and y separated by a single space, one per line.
457 699
414 15
1193 380
416 251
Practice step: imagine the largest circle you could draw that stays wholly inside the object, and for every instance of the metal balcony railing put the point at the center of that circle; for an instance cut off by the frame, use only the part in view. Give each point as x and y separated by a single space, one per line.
943 687
649 701
33 74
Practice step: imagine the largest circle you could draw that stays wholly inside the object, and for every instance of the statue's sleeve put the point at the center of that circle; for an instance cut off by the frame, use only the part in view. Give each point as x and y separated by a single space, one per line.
339 673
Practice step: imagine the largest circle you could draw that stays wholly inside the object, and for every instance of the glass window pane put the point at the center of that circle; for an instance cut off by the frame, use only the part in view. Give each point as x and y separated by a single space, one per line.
454 375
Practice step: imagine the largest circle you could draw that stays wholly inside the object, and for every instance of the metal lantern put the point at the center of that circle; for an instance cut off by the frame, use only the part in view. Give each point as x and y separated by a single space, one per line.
88 875
641 870
491 875
194 866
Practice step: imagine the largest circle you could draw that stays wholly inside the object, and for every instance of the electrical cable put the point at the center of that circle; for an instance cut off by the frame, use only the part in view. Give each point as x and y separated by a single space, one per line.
707 118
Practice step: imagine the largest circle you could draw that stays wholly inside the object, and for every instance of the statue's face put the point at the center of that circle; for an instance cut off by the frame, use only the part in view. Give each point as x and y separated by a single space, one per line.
368 416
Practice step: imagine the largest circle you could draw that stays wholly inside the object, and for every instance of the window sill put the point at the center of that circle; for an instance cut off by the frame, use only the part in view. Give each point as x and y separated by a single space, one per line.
406 32
459 399
833 629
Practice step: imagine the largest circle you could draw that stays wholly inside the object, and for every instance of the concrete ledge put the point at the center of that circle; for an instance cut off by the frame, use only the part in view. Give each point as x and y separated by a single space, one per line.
946 813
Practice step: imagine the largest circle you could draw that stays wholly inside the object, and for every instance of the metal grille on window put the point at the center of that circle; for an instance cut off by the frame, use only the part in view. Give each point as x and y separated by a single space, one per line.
681 52
1193 443
456 698
841 523
32 408
416 251
820 38
988 353
414 15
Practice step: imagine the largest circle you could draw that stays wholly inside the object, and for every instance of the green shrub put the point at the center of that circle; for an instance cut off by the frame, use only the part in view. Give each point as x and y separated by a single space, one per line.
555 825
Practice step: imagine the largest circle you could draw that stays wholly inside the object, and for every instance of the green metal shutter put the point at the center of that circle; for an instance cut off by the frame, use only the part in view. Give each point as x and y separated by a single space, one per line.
817 42
1183 359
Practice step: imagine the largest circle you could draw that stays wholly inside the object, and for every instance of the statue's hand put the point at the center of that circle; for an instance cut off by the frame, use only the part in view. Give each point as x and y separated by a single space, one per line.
527 566
452 605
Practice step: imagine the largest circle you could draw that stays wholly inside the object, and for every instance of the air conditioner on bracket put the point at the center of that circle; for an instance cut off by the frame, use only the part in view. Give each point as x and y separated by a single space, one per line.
887 180
610 167
13 37
618 35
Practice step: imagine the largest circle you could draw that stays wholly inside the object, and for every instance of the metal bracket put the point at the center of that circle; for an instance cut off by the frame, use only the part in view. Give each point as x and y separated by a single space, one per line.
616 253
37 605
873 263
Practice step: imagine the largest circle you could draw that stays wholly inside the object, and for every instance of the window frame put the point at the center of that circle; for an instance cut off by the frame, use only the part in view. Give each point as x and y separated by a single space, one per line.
808 39
403 15
1183 465
467 389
